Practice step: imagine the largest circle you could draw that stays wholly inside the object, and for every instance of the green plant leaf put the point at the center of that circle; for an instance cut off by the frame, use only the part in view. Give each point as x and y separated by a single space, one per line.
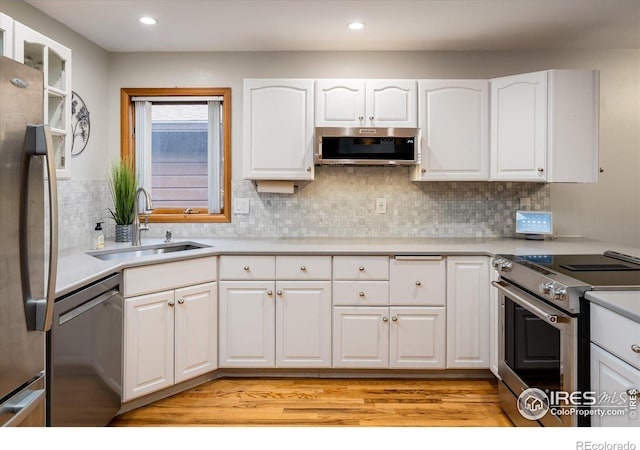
123 185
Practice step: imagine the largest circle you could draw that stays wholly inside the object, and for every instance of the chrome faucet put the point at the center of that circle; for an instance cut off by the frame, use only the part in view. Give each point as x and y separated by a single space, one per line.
137 227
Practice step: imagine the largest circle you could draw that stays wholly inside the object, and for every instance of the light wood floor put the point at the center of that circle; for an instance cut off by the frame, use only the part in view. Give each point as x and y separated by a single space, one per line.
327 402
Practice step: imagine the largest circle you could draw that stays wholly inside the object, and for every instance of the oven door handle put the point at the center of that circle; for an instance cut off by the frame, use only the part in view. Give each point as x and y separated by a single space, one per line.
550 315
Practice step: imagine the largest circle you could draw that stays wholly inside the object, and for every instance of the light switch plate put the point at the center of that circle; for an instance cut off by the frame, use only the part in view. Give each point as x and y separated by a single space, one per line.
241 206
381 206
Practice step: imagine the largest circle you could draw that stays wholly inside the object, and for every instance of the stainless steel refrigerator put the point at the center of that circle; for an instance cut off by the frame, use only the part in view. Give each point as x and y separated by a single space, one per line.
27 262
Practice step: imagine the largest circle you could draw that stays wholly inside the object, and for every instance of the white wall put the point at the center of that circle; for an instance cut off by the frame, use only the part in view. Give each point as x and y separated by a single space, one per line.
608 210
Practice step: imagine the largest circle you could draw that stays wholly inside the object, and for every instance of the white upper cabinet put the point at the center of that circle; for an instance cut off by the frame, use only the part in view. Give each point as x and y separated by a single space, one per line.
54 60
544 126
278 130
6 36
453 118
366 103
518 127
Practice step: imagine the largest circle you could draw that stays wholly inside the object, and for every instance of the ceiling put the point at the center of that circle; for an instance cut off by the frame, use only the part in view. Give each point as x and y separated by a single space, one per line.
272 25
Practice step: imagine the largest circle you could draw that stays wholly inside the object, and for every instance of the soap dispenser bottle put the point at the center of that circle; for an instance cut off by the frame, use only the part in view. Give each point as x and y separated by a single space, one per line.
98 237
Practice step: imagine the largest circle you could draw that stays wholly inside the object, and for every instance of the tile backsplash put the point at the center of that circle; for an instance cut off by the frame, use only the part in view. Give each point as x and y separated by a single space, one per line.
339 203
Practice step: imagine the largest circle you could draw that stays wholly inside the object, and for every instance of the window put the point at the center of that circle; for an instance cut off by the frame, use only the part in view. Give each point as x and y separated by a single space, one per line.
179 140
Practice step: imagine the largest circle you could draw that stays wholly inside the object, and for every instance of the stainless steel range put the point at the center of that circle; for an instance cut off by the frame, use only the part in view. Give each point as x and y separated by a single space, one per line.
544 331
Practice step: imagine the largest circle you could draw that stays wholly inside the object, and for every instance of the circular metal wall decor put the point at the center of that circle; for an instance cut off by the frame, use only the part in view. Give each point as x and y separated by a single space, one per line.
80 124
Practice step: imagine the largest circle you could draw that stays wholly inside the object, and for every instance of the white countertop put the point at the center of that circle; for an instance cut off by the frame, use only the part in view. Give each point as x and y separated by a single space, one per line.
625 303
76 268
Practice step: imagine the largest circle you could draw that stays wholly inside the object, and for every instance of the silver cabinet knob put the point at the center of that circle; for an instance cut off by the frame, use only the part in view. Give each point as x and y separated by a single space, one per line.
361 118
371 118
601 169
540 169
635 348
171 304
303 268
361 268
423 170
385 319
394 318
308 169
361 294
181 301
247 268
269 292
418 283
279 293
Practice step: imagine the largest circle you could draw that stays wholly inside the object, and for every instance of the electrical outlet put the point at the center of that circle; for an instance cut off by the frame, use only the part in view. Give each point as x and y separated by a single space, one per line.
381 206
241 206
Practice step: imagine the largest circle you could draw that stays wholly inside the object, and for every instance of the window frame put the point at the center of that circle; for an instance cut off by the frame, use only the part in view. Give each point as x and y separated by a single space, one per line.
128 148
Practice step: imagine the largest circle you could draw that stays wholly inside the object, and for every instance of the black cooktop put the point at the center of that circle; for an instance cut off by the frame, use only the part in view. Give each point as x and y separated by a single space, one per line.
595 270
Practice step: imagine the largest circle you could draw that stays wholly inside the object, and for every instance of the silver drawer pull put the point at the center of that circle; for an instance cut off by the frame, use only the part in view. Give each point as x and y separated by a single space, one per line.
385 319
394 318
269 292
181 301
418 283
361 268
635 348
279 292
361 294
247 268
303 268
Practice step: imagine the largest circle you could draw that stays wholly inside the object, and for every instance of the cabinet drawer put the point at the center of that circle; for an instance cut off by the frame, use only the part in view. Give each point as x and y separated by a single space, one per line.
360 268
171 275
303 267
615 333
417 281
247 267
357 293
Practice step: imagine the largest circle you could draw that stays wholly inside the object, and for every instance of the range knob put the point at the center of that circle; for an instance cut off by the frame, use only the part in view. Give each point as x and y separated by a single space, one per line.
497 263
502 265
559 293
545 288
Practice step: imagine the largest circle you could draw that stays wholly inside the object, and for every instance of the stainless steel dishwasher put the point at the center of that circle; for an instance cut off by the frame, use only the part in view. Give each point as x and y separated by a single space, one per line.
84 356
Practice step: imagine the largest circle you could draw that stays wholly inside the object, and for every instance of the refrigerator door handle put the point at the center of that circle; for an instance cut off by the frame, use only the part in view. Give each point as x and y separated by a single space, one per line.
39 311
23 407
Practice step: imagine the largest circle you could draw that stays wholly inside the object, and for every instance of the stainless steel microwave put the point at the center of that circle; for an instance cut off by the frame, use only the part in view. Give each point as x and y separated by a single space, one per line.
366 146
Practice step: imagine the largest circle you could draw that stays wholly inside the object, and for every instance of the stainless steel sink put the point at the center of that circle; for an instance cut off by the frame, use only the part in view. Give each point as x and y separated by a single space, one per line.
146 250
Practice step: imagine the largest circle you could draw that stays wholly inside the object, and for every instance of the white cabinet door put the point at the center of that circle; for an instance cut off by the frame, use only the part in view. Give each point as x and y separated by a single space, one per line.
148 344
519 127
6 36
54 60
303 324
196 331
340 103
361 337
278 130
391 103
247 324
417 338
419 282
613 379
468 285
453 117
494 325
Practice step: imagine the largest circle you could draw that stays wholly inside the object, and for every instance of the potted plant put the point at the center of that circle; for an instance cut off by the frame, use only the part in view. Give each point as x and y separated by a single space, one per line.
123 185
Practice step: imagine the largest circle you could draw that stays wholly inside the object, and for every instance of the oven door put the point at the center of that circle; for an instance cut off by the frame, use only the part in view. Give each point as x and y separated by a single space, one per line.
538 349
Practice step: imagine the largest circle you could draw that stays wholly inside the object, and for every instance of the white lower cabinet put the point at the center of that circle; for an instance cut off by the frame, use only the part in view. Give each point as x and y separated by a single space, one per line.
269 324
303 324
614 379
417 337
361 336
247 325
170 337
468 312
389 337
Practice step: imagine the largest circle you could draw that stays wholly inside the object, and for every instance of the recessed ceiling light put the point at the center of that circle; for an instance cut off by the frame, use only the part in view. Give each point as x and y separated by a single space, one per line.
356 25
147 20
